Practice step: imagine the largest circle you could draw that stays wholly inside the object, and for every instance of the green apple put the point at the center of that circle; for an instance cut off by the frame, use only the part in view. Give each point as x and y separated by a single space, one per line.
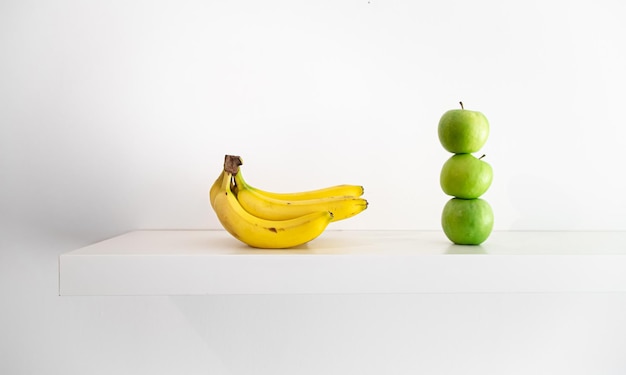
467 221
462 131
465 176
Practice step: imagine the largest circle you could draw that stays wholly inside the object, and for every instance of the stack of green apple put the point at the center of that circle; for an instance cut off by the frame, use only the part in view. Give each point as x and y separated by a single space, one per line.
466 219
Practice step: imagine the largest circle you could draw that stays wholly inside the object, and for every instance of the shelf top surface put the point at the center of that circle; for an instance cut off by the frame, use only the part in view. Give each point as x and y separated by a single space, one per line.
337 242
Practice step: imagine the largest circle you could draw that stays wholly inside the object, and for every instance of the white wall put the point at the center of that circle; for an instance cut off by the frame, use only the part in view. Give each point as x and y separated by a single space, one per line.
116 116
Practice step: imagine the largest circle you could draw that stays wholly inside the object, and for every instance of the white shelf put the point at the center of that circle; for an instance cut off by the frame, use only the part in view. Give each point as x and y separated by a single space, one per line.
196 262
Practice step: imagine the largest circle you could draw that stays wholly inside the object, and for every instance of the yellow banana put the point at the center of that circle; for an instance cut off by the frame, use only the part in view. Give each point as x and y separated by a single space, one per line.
262 233
343 190
216 187
278 209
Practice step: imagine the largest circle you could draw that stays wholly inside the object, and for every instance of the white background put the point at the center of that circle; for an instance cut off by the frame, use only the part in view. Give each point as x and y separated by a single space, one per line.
116 116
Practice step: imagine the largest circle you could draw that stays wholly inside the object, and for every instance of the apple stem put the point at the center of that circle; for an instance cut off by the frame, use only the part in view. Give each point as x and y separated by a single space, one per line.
461 103
482 157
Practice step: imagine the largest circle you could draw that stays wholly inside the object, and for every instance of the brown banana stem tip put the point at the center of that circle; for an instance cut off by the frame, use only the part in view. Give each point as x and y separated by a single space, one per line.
232 163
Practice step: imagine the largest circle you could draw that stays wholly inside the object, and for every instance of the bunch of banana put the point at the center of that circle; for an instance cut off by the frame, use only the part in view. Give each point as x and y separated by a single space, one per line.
272 220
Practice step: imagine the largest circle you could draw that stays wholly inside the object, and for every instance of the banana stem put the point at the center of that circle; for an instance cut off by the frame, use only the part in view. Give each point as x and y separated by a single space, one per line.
232 163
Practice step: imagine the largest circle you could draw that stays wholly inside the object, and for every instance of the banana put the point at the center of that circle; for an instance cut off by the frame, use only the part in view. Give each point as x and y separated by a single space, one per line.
215 187
278 209
343 190
262 233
